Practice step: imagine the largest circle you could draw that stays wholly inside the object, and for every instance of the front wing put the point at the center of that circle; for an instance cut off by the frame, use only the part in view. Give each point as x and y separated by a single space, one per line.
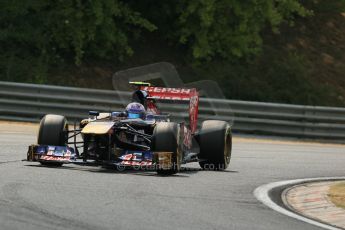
125 159
44 153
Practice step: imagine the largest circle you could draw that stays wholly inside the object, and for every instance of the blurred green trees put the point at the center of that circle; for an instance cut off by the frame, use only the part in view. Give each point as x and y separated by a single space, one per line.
34 35
209 29
247 46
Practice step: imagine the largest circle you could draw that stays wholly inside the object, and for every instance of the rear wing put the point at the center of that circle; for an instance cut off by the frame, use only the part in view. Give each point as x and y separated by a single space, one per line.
177 94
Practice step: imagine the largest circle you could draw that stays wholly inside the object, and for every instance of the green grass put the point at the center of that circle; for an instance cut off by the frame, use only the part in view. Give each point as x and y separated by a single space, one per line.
337 194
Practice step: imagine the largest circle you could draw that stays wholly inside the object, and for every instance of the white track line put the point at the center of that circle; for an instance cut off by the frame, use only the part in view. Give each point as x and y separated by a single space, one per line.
261 193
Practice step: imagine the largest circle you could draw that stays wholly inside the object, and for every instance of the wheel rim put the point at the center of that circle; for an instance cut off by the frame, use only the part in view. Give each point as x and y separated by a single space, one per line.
227 147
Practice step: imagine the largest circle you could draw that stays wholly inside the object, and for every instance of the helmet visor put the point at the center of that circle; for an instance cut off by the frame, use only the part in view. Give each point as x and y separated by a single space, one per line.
133 115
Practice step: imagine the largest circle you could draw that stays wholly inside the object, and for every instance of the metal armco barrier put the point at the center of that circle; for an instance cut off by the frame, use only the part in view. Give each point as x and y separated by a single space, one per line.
29 102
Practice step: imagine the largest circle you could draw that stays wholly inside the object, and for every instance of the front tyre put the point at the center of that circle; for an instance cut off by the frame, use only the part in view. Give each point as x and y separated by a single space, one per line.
53 131
167 137
215 143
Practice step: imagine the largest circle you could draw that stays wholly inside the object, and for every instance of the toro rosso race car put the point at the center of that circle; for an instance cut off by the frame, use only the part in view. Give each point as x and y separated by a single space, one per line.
140 137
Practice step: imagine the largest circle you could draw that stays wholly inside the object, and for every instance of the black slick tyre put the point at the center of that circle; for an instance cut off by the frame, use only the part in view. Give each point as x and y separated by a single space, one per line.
167 137
215 142
53 131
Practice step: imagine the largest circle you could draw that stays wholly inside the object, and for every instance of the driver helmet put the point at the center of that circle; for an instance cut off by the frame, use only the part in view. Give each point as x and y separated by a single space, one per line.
135 110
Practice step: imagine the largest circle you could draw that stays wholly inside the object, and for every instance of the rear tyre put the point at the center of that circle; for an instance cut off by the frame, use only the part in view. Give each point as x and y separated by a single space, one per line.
167 137
215 143
53 131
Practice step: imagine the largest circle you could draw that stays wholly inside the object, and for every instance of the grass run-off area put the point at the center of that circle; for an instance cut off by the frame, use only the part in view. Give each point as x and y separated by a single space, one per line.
337 194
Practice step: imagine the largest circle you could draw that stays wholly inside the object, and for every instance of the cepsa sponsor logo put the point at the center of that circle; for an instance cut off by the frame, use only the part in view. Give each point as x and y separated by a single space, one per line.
167 90
177 98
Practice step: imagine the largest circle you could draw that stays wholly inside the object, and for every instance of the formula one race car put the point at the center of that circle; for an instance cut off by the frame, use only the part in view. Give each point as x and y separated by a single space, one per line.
141 137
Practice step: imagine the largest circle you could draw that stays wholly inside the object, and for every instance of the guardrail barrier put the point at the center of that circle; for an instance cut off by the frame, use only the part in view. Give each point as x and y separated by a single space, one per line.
29 102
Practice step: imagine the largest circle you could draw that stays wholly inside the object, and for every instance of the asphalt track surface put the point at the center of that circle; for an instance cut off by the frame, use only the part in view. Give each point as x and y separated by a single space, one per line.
84 197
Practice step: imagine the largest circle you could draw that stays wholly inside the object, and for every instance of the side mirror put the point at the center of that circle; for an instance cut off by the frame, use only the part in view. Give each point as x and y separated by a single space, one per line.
94 113
118 114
